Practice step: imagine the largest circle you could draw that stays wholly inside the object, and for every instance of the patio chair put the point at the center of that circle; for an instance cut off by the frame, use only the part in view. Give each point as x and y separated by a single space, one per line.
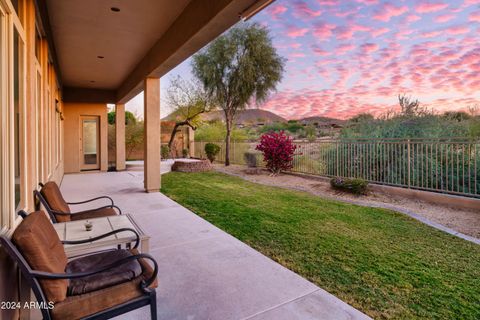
59 210
97 286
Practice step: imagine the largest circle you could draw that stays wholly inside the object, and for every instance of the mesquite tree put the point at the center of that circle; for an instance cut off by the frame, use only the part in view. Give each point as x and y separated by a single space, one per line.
188 101
238 68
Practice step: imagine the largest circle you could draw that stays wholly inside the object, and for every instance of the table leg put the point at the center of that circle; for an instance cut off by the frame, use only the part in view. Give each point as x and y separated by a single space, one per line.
145 245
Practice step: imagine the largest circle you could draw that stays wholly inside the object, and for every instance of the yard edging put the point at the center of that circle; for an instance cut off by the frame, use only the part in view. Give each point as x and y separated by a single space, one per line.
360 203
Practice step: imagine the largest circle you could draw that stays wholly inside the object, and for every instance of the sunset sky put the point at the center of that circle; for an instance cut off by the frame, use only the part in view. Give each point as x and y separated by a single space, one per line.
347 57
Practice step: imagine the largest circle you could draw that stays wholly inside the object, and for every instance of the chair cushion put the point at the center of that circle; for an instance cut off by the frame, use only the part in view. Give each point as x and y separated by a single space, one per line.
41 247
79 306
51 192
105 212
122 273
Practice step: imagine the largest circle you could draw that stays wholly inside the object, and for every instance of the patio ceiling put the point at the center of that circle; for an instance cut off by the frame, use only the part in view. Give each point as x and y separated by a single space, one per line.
106 48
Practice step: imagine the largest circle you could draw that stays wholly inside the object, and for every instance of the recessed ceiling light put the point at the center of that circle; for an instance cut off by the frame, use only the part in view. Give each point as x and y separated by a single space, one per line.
100 57
115 9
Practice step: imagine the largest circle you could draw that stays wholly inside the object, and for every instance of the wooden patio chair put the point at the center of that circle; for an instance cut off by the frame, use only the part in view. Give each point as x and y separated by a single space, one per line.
59 210
97 286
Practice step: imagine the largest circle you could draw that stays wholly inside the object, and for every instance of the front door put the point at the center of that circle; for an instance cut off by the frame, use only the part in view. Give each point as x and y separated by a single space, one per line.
89 143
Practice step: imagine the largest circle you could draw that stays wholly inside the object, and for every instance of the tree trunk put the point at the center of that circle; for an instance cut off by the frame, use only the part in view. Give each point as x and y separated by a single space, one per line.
174 132
227 140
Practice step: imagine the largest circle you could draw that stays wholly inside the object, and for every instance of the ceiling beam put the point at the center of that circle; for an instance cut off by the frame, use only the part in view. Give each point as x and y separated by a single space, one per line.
88 95
196 26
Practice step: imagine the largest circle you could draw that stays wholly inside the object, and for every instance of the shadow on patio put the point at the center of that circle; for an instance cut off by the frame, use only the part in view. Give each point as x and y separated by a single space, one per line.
204 273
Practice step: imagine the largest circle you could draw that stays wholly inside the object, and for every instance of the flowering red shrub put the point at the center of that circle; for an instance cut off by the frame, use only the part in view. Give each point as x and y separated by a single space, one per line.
278 150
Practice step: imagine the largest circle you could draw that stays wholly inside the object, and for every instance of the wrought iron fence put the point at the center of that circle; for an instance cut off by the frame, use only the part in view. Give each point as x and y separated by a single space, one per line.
442 165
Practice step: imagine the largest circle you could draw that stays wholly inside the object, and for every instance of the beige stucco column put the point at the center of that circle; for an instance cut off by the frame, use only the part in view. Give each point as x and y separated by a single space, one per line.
191 140
120 137
151 115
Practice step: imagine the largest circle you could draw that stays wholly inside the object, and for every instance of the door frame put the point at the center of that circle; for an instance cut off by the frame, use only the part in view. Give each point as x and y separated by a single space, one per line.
83 166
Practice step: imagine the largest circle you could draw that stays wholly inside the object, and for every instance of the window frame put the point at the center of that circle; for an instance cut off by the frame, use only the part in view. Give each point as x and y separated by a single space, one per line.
11 22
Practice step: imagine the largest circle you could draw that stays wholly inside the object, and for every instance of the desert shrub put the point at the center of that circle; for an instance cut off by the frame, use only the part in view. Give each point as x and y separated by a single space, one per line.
134 138
185 153
211 150
278 150
216 131
250 159
164 151
355 186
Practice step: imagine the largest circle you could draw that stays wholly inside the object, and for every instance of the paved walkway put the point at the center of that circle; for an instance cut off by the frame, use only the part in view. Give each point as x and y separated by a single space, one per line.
204 273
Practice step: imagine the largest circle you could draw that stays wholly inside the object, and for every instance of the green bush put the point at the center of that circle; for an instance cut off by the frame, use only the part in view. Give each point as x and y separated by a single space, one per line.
185 153
355 186
212 149
164 151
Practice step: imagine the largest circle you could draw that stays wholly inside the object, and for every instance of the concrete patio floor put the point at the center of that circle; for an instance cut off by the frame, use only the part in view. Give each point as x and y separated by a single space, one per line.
204 273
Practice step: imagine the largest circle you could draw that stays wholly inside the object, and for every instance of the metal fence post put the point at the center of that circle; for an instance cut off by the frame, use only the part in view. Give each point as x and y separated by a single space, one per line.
408 162
336 157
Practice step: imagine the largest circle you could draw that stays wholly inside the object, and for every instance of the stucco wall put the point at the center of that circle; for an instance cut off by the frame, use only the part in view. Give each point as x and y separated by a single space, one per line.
72 130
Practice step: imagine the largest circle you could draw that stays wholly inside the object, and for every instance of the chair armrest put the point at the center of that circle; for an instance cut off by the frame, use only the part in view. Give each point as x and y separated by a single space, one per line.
88 210
137 237
90 200
145 283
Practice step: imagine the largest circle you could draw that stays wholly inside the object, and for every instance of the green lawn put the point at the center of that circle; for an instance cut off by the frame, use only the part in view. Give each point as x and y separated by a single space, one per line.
381 262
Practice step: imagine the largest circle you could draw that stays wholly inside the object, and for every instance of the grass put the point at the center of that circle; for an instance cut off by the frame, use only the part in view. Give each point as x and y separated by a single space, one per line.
381 262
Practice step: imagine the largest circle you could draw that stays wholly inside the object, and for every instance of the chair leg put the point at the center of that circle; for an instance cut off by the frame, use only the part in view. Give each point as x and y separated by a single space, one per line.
153 305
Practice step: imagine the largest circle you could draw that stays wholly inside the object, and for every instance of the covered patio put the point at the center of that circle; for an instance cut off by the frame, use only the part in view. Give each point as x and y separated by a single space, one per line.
204 273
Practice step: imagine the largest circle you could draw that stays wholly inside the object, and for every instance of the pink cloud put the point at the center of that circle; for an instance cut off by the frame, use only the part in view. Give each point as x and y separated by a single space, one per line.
430 34
367 2
344 48
319 51
388 11
444 18
329 2
369 47
378 32
427 7
302 9
276 10
474 16
470 2
456 30
297 55
323 30
294 32
412 18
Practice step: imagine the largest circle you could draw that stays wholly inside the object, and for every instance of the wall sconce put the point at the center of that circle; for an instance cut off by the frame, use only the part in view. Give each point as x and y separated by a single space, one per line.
57 110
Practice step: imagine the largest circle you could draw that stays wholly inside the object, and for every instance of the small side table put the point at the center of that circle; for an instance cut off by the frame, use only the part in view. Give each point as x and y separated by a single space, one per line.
75 230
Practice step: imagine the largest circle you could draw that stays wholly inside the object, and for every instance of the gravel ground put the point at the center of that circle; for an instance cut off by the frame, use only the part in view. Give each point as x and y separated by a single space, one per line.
464 221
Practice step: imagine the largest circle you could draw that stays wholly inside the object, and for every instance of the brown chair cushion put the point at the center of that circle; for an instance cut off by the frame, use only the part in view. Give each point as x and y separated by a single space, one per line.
122 273
39 244
51 192
76 307
105 212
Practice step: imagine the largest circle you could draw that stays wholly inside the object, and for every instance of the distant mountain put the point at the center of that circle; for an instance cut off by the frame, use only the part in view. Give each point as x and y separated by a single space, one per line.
243 118
258 117
318 121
